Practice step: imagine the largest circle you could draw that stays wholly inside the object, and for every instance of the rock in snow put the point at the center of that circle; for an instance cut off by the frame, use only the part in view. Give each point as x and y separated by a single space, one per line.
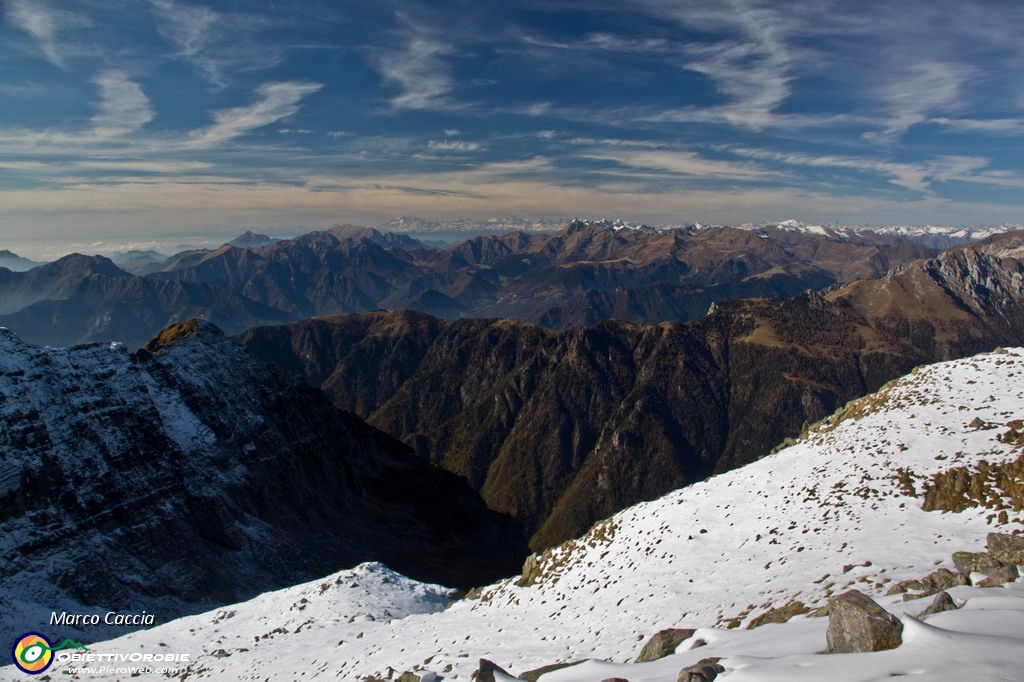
857 624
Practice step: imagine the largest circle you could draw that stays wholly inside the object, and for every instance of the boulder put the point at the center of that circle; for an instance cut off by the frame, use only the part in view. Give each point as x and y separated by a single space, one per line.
532 572
663 643
857 624
534 675
418 676
704 670
934 582
780 614
942 602
1001 575
485 672
1006 548
975 562
615 679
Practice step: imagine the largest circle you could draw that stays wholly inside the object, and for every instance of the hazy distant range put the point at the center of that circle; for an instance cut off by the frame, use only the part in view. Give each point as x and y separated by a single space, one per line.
435 233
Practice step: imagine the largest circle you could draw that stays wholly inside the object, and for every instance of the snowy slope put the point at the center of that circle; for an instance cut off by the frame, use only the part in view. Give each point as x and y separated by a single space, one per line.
840 509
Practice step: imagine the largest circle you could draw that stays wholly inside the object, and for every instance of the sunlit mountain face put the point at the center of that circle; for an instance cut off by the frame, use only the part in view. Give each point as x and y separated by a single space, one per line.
129 121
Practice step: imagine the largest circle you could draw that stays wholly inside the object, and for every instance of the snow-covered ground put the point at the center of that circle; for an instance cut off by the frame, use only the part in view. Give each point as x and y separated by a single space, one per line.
840 509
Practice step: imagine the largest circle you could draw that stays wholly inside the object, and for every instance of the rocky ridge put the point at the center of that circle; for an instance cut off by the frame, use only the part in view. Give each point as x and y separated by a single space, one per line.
189 473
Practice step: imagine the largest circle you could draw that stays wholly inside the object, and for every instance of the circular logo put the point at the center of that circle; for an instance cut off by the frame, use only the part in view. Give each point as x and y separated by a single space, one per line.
32 653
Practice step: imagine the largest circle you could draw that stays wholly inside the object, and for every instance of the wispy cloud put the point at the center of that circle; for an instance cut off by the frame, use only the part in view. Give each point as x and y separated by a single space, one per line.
910 97
122 108
994 126
419 72
684 163
45 24
166 167
453 145
917 176
751 66
277 101
215 43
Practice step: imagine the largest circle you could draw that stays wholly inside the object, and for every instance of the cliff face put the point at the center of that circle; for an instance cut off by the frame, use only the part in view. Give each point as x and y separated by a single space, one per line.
190 472
562 429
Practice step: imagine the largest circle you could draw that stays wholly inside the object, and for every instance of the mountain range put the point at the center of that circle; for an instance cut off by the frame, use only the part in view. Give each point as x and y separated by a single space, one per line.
189 473
934 236
584 273
562 429
741 566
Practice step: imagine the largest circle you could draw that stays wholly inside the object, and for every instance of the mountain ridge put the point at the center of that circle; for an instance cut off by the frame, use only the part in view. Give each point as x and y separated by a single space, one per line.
562 428
190 473
579 275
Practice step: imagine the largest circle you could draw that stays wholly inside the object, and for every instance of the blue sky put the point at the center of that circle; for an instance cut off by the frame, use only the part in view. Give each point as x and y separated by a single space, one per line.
128 119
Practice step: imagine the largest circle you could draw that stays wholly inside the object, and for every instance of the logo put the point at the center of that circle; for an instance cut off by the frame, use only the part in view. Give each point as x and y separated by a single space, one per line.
33 652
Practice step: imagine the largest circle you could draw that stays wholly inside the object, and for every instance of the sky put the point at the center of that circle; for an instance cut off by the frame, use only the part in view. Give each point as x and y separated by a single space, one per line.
131 119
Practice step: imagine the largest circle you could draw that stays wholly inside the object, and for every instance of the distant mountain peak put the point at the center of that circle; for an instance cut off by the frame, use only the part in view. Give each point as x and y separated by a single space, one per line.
13 261
251 240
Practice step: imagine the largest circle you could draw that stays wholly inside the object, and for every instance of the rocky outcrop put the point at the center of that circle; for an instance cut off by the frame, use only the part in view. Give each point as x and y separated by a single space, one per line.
942 602
936 581
663 643
780 614
418 676
1005 573
206 476
857 624
975 562
535 674
704 670
1006 548
485 671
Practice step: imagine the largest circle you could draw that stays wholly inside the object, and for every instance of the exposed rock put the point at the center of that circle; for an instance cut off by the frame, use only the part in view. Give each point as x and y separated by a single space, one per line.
485 672
615 679
1006 548
857 624
704 670
936 581
942 602
418 676
531 571
534 675
663 643
975 562
1001 575
780 614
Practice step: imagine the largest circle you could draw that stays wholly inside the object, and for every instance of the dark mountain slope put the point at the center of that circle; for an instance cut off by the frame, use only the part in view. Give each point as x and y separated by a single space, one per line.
52 280
192 472
130 309
562 428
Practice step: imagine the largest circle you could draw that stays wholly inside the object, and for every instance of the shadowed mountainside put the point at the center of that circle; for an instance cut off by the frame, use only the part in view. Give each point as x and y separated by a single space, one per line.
561 429
190 471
